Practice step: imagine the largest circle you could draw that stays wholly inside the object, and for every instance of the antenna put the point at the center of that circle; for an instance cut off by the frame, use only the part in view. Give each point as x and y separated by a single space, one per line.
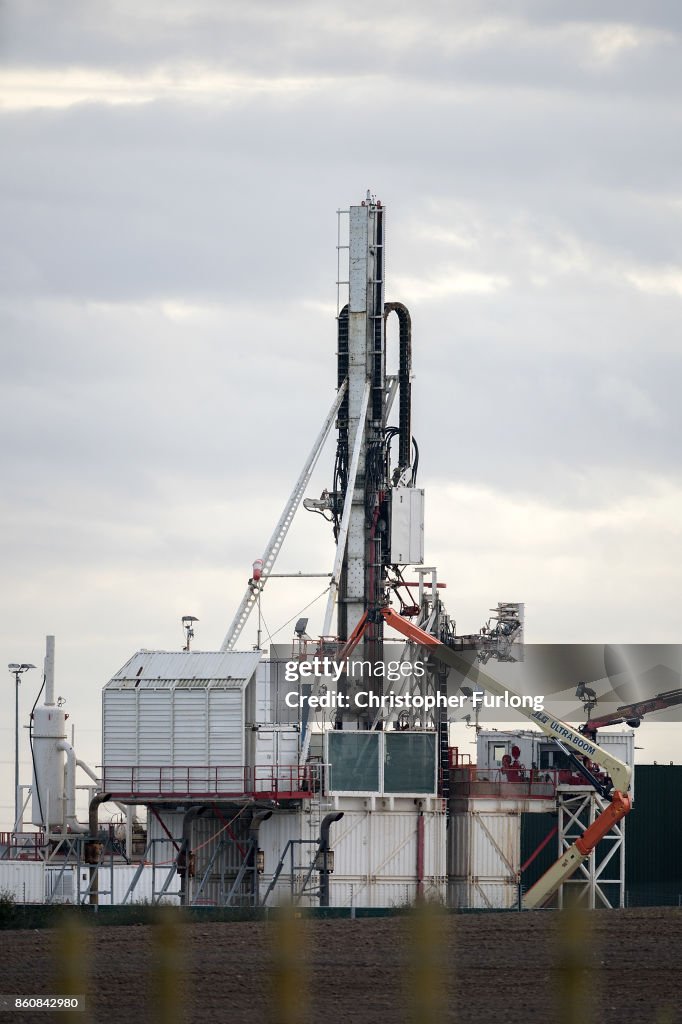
188 626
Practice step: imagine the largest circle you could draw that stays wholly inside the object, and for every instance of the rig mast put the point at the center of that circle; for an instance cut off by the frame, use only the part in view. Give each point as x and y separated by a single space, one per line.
362 359
375 507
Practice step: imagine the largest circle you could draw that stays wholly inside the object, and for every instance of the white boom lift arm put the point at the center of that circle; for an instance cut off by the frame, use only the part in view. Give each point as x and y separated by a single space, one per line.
564 734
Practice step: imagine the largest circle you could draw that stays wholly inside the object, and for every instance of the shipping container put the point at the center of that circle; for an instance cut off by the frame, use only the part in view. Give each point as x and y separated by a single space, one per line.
376 857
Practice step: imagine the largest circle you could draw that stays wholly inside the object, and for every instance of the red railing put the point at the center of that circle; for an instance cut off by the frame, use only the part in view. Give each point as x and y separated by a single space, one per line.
512 782
22 845
273 782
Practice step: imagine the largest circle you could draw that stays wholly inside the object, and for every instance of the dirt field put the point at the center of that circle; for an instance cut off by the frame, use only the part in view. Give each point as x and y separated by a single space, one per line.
494 969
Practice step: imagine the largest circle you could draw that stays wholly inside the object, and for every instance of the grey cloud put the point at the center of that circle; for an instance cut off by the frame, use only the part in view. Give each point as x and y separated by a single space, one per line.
168 293
151 201
234 206
533 44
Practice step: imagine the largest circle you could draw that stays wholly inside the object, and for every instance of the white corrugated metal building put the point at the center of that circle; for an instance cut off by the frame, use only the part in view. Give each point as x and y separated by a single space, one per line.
170 717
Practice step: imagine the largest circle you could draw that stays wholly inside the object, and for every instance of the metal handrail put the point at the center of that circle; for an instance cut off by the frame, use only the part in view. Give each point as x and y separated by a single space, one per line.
212 780
22 845
500 781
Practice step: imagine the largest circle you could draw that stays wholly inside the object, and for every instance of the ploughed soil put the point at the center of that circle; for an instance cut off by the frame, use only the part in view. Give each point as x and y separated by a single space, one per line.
608 967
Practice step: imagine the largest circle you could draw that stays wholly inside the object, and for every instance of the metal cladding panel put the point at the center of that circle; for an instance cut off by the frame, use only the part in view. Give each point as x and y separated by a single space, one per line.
25 880
358 251
208 832
119 727
180 726
534 830
185 666
190 711
154 726
346 892
114 885
225 728
146 883
407 525
171 819
273 745
622 746
281 893
163 851
654 829
483 894
263 747
287 747
272 839
483 845
264 692
219 851
383 844
61 883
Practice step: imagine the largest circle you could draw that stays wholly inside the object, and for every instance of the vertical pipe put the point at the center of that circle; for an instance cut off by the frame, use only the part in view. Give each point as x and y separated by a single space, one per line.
69 805
420 856
404 381
184 858
16 752
129 831
252 854
93 848
327 823
49 671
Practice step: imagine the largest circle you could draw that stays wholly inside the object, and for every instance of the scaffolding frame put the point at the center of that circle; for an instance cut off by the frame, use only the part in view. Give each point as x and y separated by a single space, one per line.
590 885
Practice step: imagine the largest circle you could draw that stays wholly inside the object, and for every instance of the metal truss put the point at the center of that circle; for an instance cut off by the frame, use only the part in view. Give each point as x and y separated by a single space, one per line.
600 879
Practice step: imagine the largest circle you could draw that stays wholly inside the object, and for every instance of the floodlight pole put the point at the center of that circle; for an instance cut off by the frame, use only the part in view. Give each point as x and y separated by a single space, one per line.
16 671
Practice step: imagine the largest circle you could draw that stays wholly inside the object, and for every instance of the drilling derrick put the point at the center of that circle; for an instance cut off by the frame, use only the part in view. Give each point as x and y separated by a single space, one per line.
376 510
362 359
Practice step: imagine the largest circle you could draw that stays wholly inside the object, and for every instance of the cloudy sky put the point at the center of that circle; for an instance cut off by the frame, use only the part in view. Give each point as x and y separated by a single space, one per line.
170 179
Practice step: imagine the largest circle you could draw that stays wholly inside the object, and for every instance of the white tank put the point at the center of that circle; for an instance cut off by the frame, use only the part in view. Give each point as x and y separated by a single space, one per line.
49 726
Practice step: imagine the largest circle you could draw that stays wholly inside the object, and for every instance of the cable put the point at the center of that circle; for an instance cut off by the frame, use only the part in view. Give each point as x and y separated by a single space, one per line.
298 614
211 839
33 759
323 513
267 628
